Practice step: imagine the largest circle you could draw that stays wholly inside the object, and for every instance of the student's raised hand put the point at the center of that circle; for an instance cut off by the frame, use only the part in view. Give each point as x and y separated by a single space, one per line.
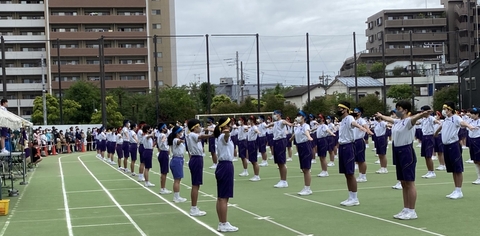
378 114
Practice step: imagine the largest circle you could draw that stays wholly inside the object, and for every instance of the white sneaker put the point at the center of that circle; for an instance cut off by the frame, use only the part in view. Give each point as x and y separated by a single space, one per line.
336 157
305 192
389 142
397 216
314 161
366 146
434 158
330 164
382 171
296 154
476 181
441 167
430 175
398 186
464 147
323 174
148 184
120 169
361 179
235 159
226 227
409 215
350 202
356 166
243 174
133 174
126 170
377 162
179 199
374 149
197 212
214 166
255 178
419 145
112 163
106 160
281 184
270 158
469 161
263 164
165 191
141 179
456 195
289 159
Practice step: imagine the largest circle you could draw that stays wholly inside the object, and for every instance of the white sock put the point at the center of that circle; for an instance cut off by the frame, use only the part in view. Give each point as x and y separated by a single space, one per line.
354 195
194 207
459 190
176 195
406 209
478 170
307 187
245 171
350 195
411 210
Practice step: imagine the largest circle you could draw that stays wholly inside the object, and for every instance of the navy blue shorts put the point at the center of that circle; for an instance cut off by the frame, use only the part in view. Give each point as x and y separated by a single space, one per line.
147 158
418 134
211 145
346 159
381 144
305 155
322 146
224 175
360 150
118 148
438 145
242 148
196 170
176 166
428 144
475 149
133 151
262 144
279 151
234 140
462 133
4 132
289 143
406 162
126 149
252 151
140 153
331 143
365 137
270 140
111 147
313 143
453 157
388 133
163 161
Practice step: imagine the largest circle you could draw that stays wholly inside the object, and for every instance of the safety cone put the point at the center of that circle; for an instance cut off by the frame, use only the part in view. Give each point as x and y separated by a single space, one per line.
83 147
54 151
68 148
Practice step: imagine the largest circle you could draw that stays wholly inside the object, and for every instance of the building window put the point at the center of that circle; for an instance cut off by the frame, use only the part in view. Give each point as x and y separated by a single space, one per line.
159 54
156 12
470 84
160 69
156 26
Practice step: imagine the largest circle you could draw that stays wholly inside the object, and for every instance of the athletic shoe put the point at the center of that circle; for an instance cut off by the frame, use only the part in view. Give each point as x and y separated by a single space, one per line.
456 195
330 164
356 166
126 170
179 199
226 227
264 164
389 142
335 157
141 179
165 191
377 162
408 215
464 147
296 154
361 179
281 184
243 174
323 174
397 216
289 159
419 145
476 181
382 171
398 186
133 174
434 158
235 159
469 161
430 175
105 159
120 168
374 149
255 178
314 161
350 202
270 158
305 192
366 146
197 212
112 163
441 167
148 184
214 166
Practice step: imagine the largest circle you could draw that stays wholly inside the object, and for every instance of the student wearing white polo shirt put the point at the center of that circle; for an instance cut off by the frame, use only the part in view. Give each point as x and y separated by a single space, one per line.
474 142
452 148
428 142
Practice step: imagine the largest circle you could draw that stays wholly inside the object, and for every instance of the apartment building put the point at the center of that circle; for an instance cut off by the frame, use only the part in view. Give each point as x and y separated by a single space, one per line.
429 36
73 29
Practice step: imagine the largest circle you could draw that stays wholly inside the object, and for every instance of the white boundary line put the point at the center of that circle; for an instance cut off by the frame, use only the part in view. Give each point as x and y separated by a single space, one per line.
126 205
374 187
7 222
165 200
365 215
113 200
113 224
100 190
111 180
65 199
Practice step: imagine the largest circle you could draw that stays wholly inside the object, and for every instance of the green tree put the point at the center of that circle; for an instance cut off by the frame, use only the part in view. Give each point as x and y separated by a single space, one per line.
371 104
194 91
400 92
53 113
316 106
398 71
88 96
220 99
175 104
362 69
71 109
247 106
449 93
289 110
376 70
226 108
114 118
278 90
273 102
203 95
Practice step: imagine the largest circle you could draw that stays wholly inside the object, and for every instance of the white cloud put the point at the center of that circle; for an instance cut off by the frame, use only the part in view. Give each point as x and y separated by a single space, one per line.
281 25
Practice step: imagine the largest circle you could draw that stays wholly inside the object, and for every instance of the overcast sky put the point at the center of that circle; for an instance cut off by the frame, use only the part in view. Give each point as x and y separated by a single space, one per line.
282 25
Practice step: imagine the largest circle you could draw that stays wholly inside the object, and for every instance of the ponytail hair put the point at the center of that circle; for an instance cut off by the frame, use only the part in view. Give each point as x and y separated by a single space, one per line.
173 135
222 122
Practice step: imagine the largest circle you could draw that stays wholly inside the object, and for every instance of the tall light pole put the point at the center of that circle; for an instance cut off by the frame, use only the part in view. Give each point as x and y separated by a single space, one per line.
44 93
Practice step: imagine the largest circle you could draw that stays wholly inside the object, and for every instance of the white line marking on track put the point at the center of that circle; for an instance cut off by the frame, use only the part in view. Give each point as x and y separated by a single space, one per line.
96 217
113 224
113 200
100 190
365 215
373 187
169 203
65 199
127 205
12 212
111 180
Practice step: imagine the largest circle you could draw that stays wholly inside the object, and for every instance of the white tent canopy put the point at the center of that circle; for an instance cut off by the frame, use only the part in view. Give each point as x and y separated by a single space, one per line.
12 121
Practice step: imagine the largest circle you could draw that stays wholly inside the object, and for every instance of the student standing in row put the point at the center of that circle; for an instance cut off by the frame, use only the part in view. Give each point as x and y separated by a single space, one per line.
176 164
474 143
322 144
279 147
302 139
163 156
147 141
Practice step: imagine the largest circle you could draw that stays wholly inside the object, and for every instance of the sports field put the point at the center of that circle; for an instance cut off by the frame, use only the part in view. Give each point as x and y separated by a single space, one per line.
78 194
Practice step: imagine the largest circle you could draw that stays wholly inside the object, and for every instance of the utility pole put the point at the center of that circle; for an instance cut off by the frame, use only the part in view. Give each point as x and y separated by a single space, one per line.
102 81
209 92
355 66
434 69
469 25
384 88
4 73
242 81
411 70
44 93
157 105
60 81
238 78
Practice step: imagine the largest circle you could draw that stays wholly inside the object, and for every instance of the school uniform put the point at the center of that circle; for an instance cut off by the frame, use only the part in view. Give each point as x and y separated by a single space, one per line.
234 136
403 133
126 142
451 146
242 142
331 138
380 132
418 130
313 134
140 145
359 141
474 136
468 120
118 146
176 164
270 136
463 133
211 140
322 140
111 142
252 144
196 158
163 155
224 173
147 155
289 131
428 128
303 146
346 149
262 138
133 145
438 145
279 142
102 142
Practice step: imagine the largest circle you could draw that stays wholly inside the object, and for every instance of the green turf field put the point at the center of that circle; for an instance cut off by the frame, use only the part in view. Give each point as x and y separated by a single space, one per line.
77 194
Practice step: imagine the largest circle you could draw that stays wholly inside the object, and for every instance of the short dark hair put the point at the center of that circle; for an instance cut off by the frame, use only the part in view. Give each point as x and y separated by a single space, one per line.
451 105
406 105
425 108
4 101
